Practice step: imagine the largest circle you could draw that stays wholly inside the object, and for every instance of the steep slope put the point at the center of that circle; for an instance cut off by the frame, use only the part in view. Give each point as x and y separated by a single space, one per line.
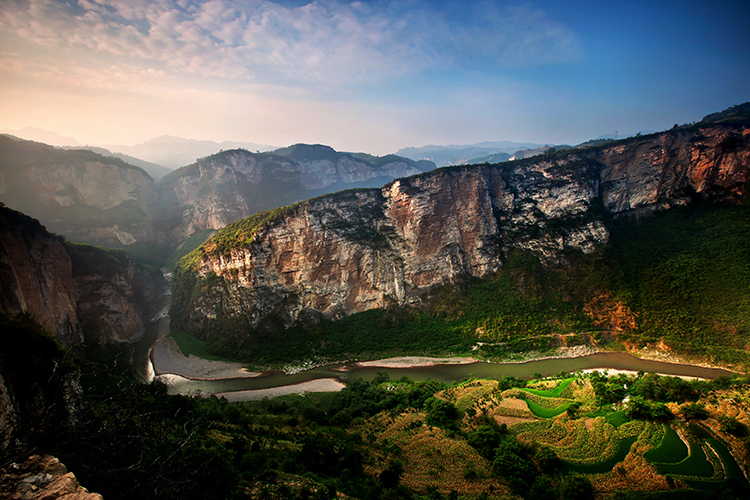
230 185
79 194
78 292
353 251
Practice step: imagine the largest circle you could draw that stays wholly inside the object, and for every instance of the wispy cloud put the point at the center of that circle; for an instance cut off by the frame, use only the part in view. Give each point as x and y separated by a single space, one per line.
323 42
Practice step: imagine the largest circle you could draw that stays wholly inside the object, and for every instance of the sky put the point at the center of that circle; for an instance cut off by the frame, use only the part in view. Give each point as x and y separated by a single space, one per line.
372 76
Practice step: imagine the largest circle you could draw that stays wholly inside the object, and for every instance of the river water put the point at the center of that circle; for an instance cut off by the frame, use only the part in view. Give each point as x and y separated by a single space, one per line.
442 372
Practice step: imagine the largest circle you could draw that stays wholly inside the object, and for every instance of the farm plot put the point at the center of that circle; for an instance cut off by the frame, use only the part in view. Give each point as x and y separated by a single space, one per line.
671 449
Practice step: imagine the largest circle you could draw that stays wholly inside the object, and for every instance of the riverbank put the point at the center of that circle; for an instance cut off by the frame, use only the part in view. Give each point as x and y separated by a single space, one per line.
406 362
167 358
319 385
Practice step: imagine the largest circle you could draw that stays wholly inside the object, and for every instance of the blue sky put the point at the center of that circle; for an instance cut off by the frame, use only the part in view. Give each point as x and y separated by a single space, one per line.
367 76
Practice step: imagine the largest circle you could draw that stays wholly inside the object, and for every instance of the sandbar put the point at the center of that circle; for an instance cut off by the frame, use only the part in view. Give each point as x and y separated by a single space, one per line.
319 385
168 359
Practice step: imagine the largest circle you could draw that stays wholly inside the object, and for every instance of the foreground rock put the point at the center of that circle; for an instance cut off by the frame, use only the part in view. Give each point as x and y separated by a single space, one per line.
41 478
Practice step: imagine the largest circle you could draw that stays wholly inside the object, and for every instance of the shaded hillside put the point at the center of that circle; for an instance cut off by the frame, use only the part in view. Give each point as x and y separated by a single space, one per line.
78 193
76 291
367 250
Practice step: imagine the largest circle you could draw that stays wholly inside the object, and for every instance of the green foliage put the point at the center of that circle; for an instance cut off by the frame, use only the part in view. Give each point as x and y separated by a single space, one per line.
40 374
194 241
576 487
687 275
694 411
641 409
733 426
235 235
189 344
656 388
441 413
670 450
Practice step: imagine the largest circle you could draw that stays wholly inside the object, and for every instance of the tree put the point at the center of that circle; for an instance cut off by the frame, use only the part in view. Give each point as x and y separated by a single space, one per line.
576 487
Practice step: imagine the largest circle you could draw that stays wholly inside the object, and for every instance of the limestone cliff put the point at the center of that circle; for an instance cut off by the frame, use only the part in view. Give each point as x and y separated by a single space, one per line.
77 292
339 254
80 194
230 185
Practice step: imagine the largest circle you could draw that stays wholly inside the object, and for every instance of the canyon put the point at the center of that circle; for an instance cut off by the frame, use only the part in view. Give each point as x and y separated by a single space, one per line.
102 200
353 251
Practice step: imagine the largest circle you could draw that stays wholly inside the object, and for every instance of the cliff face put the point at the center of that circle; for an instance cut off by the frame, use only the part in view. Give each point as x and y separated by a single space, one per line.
76 292
348 252
234 184
83 195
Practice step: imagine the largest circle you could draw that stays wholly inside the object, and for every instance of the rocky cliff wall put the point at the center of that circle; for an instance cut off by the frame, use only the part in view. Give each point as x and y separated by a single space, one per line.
348 252
77 292
77 193
231 185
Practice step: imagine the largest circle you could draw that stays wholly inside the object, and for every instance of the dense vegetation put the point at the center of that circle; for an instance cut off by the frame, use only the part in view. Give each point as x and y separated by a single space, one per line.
399 439
680 277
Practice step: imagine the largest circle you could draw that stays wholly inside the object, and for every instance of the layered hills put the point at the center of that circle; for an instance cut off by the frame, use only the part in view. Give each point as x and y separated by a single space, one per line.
354 251
103 200
225 187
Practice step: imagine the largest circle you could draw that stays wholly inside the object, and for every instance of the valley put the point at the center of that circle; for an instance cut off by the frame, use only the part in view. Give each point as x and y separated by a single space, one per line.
308 323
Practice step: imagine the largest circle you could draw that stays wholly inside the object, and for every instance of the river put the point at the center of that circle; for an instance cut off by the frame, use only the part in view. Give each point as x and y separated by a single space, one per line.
143 366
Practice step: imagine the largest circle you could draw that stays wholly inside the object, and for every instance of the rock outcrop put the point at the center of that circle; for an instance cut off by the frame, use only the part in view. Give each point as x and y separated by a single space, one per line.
352 251
41 478
234 184
78 292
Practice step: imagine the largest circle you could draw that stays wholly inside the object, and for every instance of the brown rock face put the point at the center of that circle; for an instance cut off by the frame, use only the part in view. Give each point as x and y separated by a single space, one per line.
231 185
37 277
352 251
41 478
73 291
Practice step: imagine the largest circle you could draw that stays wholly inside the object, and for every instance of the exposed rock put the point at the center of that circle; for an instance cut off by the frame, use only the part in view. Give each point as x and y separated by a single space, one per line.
41 478
83 195
73 291
228 186
352 251
37 277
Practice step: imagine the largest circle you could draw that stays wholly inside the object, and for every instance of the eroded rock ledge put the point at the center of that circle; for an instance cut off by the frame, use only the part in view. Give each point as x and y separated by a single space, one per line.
41 478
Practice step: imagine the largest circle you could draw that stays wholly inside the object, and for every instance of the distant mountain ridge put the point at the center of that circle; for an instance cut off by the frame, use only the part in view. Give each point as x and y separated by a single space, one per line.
462 154
155 171
96 197
175 152
230 185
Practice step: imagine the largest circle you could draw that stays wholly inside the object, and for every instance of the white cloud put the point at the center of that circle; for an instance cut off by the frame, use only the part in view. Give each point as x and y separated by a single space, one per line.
323 42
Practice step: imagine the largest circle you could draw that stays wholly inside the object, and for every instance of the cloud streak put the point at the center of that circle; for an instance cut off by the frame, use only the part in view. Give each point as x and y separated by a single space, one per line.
324 42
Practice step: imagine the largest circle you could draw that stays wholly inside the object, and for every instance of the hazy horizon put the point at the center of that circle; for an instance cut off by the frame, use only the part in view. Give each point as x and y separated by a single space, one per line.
367 76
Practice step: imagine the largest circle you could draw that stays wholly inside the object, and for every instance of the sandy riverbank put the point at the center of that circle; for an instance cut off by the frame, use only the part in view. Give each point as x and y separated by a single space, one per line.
319 385
406 362
168 359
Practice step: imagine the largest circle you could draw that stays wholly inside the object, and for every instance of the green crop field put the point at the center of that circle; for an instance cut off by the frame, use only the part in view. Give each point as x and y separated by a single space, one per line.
542 412
552 393
671 450
696 465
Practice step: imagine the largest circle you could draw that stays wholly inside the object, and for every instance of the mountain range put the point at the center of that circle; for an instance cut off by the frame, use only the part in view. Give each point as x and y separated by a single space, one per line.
636 245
